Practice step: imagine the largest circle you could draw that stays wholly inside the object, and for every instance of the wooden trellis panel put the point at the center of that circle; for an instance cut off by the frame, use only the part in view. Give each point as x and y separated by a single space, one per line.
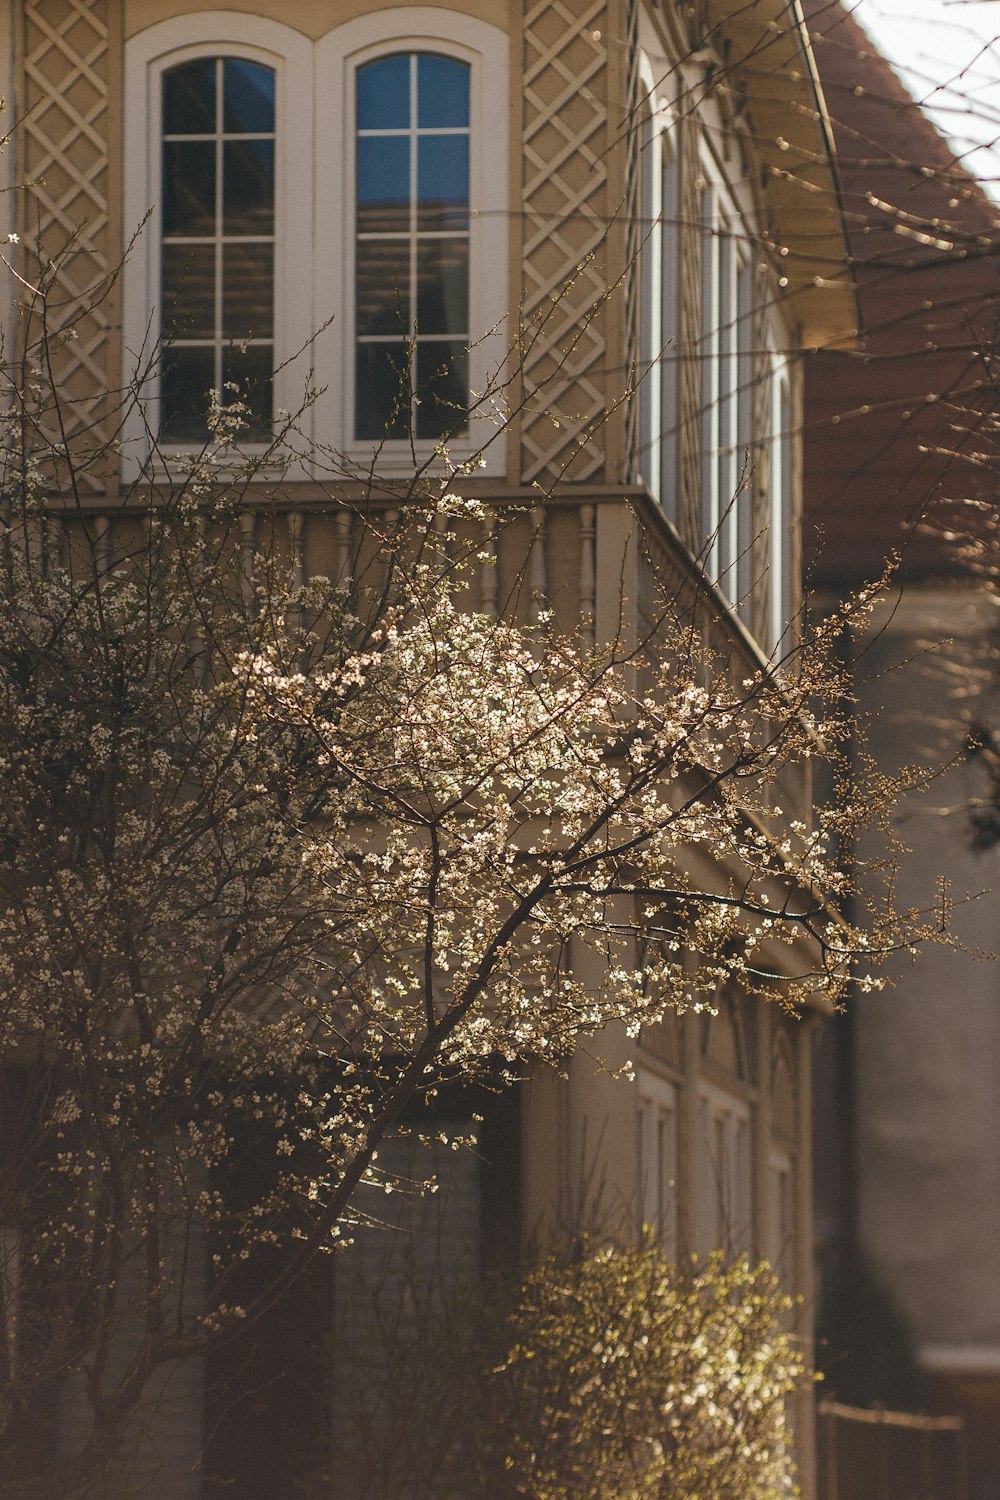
69 59
636 233
565 220
687 363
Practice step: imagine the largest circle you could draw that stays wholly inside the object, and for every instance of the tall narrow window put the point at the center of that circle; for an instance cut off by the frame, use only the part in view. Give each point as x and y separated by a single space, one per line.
744 440
412 247
781 518
659 284
726 422
726 316
657 1139
650 369
670 223
217 249
725 1166
710 355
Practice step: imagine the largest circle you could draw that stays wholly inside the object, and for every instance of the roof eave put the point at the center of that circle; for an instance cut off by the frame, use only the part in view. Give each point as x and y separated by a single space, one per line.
771 65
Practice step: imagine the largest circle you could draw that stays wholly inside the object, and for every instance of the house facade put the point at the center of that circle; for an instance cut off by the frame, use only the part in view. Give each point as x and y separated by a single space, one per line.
599 238
898 431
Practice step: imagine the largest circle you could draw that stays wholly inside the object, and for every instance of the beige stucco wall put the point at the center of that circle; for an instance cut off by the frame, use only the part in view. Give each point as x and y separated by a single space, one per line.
314 18
928 1050
580 1136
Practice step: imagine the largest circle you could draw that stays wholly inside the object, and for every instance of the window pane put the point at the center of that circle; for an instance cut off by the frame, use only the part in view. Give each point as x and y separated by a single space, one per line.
247 97
186 377
383 184
442 388
382 392
442 92
189 98
443 182
443 286
206 201
250 369
383 287
188 291
384 93
189 187
248 187
248 291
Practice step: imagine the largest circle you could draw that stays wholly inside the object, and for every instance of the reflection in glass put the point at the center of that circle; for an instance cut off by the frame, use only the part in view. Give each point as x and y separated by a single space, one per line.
189 98
443 182
383 283
443 285
247 291
442 92
188 290
248 187
248 98
383 184
412 246
189 187
251 370
383 396
442 386
383 93
217 245
186 377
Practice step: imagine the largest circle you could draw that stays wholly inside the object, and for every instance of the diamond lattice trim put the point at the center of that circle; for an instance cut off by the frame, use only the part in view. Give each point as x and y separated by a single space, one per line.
635 237
564 190
65 50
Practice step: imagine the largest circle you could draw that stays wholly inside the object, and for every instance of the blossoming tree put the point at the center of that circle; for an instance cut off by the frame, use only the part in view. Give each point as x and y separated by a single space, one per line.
281 856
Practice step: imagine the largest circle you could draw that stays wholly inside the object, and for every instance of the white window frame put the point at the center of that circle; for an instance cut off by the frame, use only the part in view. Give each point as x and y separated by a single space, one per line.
746 443
148 56
658 1157
659 304
339 54
724 256
725 1171
670 321
780 497
781 1227
650 297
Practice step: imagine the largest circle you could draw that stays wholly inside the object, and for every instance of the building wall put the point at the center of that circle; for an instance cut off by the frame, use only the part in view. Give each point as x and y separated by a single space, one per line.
575 240
907 1126
924 1190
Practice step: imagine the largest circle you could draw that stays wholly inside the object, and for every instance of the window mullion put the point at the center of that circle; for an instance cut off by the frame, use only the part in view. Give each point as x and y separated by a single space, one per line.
414 188
218 290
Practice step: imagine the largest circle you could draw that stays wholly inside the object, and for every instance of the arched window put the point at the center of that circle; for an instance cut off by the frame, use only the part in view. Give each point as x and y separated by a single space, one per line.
325 230
659 305
218 286
781 514
658 1157
724 337
216 245
411 372
411 187
726 1122
781 1162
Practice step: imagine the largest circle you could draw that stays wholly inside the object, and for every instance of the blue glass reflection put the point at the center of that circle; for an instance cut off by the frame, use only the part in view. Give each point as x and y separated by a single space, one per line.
383 394
383 183
443 178
189 187
442 379
247 98
248 187
384 93
442 93
189 98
